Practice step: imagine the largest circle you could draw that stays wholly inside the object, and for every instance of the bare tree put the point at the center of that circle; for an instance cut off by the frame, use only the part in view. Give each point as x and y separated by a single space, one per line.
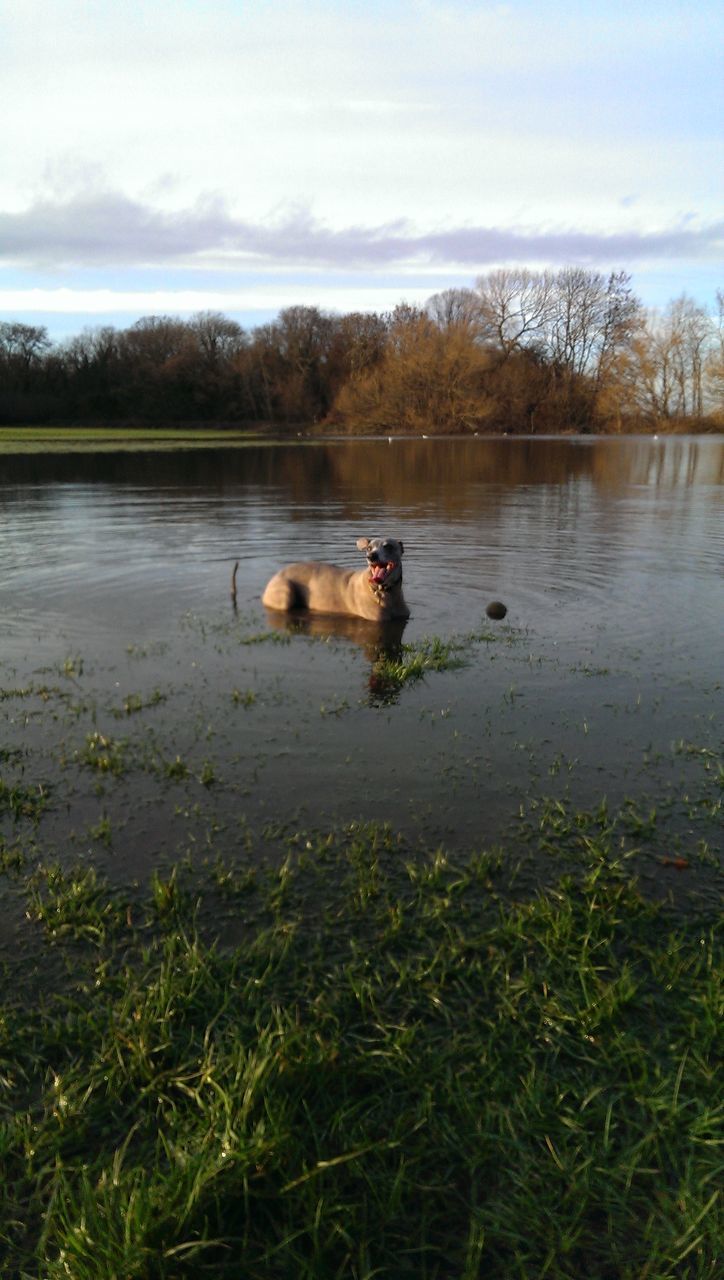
714 366
90 348
454 308
671 353
219 338
21 348
292 355
514 308
153 340
590 319
690 333
360 340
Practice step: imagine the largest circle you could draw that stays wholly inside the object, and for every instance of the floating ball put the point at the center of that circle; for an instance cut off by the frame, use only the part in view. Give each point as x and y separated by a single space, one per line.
496 609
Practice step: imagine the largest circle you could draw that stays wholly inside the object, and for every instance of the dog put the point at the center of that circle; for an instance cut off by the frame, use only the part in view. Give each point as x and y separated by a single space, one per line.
374 593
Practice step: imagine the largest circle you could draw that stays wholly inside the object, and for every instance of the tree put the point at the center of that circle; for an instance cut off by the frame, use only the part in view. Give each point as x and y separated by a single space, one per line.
219 339
302 338
714 366
590 318
358 343
21 349
154 340
217 386
156 368
427 379
514 308
670 354
523 351
690 332
454 308
92 371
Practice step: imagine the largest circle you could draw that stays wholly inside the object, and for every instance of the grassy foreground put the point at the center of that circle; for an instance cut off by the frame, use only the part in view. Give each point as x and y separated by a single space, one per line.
401 1067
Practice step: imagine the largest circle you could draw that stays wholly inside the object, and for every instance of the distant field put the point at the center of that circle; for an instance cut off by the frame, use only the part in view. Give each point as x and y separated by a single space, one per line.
46 439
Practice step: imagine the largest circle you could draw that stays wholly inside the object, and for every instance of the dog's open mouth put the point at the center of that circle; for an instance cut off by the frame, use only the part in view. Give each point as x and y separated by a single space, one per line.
381 572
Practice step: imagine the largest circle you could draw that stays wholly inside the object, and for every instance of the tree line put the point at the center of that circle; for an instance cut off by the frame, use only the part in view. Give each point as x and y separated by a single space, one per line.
520 351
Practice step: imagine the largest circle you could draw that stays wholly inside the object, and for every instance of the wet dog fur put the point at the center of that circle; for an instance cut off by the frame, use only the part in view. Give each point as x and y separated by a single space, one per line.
374 592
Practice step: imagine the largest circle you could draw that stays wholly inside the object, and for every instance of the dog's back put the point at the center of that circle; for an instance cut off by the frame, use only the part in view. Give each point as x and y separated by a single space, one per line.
309 584
374 593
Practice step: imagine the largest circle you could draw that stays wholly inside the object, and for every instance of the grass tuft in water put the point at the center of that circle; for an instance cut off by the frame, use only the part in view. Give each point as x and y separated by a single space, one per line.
22 801
72 904
176 769
102 753
135 702
391 672
243 697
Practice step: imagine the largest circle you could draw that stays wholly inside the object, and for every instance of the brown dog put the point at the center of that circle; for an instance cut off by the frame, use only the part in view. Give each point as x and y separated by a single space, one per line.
374 593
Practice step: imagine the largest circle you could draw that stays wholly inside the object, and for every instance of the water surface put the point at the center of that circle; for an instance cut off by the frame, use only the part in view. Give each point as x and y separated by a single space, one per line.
604 680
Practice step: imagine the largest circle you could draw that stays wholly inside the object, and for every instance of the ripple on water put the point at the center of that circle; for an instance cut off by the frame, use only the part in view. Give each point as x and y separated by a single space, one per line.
606 555
621 536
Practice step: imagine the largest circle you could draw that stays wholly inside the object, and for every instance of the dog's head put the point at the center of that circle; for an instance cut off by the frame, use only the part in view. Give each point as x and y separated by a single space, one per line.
384 557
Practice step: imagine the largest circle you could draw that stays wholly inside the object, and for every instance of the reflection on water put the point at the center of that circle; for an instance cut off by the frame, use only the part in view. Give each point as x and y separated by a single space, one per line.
94 539
379 642
115 573
406 470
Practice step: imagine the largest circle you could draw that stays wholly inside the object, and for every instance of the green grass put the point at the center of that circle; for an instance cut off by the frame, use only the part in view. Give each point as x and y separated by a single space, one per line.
336 1055
415 661
135 702
22 439
243 697
22 801
102 754
405 1066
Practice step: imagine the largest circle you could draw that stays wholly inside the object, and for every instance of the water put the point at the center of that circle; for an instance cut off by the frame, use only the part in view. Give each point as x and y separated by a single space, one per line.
603 680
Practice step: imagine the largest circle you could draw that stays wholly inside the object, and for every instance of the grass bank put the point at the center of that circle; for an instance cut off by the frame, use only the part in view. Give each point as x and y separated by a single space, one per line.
118 439
402 1065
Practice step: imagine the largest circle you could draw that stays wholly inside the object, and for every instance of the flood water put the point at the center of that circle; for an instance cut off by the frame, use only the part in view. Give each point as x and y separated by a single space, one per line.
116 626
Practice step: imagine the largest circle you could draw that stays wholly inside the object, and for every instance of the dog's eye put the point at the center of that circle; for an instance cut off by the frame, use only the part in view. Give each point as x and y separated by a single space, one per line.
386 546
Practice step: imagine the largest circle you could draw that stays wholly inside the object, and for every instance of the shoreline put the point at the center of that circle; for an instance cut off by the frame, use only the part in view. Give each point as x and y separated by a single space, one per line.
102 439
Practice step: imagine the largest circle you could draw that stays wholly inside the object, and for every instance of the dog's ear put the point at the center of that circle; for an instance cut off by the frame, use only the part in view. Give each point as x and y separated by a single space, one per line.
402 548
362 544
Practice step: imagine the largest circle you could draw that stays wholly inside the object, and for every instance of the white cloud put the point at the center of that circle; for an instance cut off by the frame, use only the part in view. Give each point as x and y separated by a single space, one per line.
377 111
109 229
417 134
273 298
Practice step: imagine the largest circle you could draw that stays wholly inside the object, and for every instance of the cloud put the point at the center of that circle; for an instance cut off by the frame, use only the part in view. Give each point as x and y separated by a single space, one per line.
113 230
250 298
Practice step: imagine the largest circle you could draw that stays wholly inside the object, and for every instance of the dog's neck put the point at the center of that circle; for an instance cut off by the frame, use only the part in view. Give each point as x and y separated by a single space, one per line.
380 589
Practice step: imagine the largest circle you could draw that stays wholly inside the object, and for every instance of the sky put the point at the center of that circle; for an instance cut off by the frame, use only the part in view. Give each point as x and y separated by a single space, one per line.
176 156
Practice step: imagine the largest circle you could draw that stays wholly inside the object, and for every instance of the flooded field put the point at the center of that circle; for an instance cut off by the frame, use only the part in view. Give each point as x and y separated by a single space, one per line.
145 718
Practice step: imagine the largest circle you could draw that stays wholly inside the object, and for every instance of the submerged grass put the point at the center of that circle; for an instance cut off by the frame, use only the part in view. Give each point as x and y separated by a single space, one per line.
392 671
404 1069
21 800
